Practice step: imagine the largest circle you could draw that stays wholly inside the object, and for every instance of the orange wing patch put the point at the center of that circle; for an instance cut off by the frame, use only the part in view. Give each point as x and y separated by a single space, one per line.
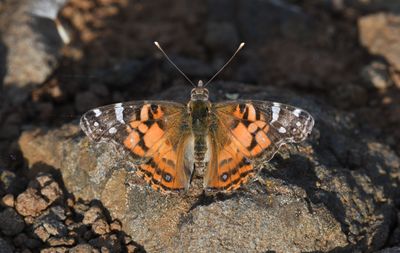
159 171
148 139
249 128
231 164
229 169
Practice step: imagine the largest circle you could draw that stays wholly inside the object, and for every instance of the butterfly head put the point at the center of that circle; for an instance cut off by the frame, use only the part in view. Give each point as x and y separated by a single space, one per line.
200 93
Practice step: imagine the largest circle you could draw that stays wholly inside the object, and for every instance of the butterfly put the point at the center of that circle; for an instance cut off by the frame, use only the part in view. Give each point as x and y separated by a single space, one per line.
227 142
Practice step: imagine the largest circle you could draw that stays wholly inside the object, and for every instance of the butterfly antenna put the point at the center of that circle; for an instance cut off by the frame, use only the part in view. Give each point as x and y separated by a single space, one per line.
173 64
226 64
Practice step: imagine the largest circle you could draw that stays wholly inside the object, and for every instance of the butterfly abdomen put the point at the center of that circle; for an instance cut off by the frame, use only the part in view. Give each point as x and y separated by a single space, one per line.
199 112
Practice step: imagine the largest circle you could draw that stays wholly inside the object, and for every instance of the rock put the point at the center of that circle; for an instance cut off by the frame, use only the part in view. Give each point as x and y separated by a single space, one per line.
262 20
116 225
8 200
349 96
379 33
389 250
106 243
85 101
55 250
369 6
334 191
10 182
25 241
5 247
32 45
47 186
30 203
10 222
94 213
82 248
377 75
100 227
49 225
64 241
41 193
94 217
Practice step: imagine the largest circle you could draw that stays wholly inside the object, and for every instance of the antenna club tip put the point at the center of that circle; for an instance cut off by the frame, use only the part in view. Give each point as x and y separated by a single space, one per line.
242 45
156 43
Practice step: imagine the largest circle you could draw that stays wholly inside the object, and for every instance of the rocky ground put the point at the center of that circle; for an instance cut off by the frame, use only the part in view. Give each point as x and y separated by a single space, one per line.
337 192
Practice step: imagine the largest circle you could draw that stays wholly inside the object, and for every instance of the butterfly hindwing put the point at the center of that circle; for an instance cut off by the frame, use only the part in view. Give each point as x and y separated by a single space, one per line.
153 132
252 131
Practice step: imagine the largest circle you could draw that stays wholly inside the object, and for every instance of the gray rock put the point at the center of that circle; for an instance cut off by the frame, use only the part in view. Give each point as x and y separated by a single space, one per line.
333 192
11 223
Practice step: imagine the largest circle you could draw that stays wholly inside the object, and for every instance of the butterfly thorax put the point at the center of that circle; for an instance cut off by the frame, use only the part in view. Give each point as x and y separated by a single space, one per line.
199 111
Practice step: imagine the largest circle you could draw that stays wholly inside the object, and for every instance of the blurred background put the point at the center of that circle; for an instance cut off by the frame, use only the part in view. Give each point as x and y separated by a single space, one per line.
60 58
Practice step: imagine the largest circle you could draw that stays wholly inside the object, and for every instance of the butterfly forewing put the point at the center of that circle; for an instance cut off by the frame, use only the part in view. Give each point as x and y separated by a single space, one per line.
249 132
153 132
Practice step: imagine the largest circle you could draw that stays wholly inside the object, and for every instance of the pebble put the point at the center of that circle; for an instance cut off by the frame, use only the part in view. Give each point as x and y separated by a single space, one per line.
30 203
376 75
92 215
8 200
11 223
100 227
82 248
5 247
63 241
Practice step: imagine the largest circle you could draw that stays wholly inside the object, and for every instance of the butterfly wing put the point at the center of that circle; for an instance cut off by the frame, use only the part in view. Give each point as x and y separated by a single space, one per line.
155 134
249 132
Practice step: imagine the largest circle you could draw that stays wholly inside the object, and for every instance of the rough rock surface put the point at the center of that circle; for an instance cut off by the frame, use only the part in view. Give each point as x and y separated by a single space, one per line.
61 225
333 192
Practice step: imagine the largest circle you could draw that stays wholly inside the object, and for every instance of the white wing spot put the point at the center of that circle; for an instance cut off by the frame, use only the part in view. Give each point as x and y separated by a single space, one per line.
97 112
297 112
282 130
112 130
96 124
275 112
298 124
118 113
